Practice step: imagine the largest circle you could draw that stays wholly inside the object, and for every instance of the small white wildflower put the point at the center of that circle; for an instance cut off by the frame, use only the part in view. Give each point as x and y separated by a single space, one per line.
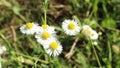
29 28
93 35
70 27
86 30
53 48
46 27
2 50
45 35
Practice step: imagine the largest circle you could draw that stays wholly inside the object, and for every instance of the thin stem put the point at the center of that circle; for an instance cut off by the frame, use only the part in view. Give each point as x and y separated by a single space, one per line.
110 54
0 62
36 64
13 33
96 57
33 58
22 17
73 46
45 11
98 61
45 16
5 40
69 54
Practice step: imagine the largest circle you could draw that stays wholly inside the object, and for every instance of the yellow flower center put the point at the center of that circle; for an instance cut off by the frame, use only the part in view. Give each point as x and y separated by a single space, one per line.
45 35
29 25
44 26
92 34
54 45
71 26
87 31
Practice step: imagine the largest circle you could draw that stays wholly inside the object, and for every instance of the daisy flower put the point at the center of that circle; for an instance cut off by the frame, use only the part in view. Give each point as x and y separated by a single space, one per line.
86 30
93 35
2 50
53 48
47 28
29 28
44 36
70 27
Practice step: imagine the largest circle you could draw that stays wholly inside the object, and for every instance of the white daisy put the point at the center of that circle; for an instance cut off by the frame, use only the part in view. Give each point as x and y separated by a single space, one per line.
44 36
29 28
70 27
53 48
2 50
93 35
86 30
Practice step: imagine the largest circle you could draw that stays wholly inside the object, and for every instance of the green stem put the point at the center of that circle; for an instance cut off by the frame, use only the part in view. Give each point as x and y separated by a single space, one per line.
33 58
96 57
110 55
5 40
36 64
98 61
45 11
0 62
22 17
105 9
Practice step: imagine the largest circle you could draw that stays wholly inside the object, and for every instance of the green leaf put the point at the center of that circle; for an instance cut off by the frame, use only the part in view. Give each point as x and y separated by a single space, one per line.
109 22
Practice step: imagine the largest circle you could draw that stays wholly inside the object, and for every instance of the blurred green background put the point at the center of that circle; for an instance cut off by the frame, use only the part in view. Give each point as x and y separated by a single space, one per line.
24 52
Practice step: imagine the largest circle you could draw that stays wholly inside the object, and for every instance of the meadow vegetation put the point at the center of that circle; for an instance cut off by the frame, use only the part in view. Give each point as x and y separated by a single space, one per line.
79 51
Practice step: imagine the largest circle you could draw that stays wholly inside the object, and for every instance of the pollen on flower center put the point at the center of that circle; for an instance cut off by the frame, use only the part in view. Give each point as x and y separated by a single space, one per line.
29 25
92 34
54 45
44 26
45 35
71 26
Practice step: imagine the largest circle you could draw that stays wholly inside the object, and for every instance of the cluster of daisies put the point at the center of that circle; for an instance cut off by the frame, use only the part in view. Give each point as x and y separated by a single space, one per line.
46 35
71 27
89 32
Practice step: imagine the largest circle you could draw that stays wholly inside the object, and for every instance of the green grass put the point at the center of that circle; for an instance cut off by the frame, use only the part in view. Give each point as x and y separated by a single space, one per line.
23 51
